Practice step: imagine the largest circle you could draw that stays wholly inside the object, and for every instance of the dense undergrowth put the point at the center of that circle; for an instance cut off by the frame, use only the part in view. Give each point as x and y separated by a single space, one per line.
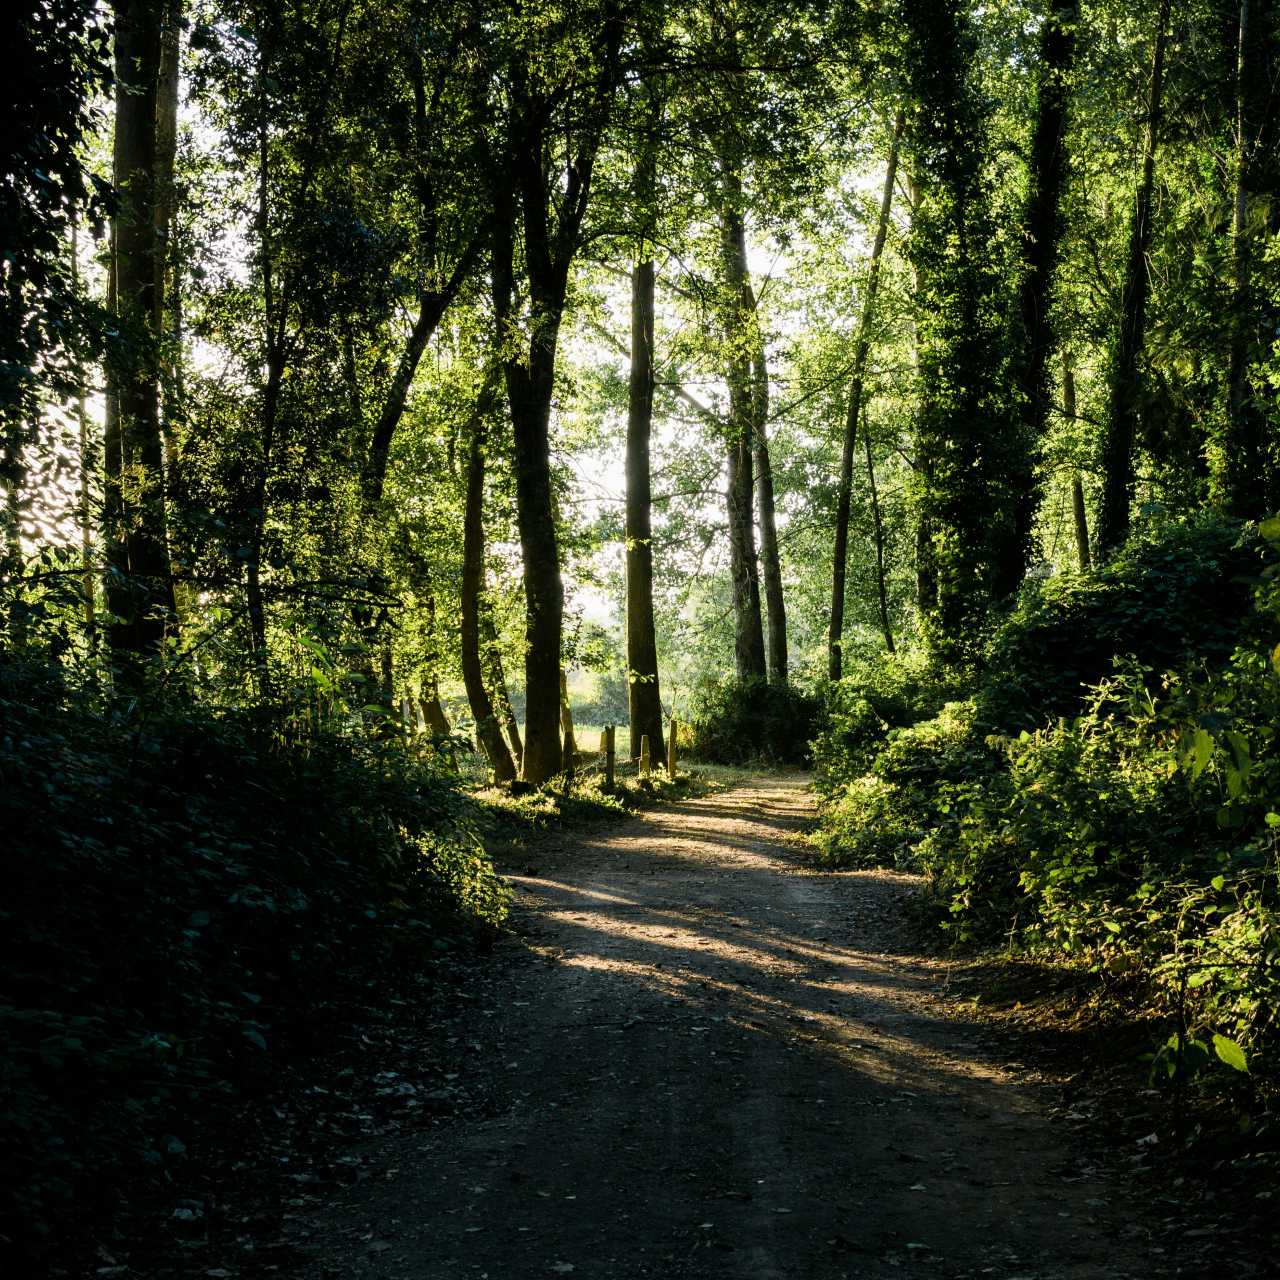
188 901
1106 785
736 722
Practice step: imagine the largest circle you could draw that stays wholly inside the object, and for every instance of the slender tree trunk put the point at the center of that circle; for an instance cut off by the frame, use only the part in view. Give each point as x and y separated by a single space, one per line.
877 526
770 560
1126 382
529 393
432 306
643 700
84 507
1077 486
1041 237
497 677
274 318
748 643
861 347
488 732
529 384
1244 460
140 586
749 649
925 560
168 316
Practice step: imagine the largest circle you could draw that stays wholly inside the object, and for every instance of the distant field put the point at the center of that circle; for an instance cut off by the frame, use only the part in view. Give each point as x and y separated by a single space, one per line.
588 738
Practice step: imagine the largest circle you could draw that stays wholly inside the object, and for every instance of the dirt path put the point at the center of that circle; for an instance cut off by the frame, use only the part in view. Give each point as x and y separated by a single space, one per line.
717 1063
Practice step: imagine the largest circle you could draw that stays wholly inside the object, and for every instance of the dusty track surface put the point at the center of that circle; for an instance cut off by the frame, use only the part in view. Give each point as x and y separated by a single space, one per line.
712 1061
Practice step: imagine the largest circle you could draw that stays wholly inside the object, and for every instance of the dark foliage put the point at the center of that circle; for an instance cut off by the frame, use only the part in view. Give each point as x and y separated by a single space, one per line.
742 721
1179 593
187 899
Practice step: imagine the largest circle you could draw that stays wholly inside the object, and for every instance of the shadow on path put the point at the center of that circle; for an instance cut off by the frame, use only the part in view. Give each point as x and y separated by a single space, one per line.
719 1063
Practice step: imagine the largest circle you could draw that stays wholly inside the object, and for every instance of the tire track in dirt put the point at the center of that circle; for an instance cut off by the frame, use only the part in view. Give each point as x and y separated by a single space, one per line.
715 1062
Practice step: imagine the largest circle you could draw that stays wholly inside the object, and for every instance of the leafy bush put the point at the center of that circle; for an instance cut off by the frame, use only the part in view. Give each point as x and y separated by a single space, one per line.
742 721
882 816
1112 788
1180 592
863 708
186 900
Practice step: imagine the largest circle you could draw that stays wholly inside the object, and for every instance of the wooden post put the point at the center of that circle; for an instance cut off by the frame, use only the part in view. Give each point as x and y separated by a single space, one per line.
566 716
570 751
644 755
609 757
671 750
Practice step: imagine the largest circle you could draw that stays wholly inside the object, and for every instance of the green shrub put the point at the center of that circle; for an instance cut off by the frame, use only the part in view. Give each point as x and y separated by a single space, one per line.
1111 790
1179 593
860 711
744 721
882 816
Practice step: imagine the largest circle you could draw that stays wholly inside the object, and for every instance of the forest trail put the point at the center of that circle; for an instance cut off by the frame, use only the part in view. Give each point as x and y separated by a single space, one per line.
714 1061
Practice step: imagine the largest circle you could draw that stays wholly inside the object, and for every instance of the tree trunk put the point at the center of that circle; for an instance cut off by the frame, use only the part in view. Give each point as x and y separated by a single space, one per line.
140 586
861 346
1077 487
925 561
432 306
497 677
877 526
84 504
1126 383
744 397
1244 461
643 700
488 732
1041 237
168 316
432 712
770 561
748 644
529 392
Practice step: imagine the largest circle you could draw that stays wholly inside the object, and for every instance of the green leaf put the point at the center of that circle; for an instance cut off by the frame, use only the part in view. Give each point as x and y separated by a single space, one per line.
1202 751
1270 528
1230 1053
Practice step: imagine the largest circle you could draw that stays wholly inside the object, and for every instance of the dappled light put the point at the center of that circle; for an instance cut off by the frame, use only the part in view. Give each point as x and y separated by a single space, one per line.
721 1063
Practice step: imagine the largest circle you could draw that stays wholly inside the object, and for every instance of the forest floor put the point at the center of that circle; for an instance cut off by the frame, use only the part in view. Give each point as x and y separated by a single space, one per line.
698 1057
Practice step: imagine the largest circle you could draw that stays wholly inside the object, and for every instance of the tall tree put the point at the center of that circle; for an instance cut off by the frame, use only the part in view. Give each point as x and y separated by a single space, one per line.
1246 479
558 103
742 372
1125 379
1041 238
861 346
968 438
644 701
139 584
